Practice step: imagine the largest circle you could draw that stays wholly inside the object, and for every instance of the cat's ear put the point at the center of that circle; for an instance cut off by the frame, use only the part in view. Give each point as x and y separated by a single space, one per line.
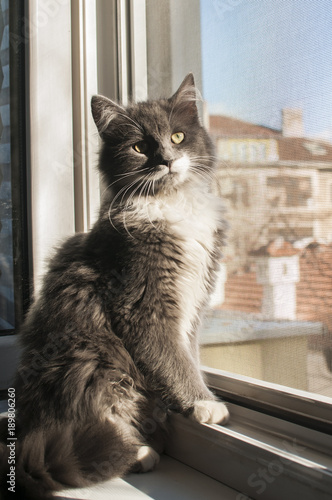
186 96
104 111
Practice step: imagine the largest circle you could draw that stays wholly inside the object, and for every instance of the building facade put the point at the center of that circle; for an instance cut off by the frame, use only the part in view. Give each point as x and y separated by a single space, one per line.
274 183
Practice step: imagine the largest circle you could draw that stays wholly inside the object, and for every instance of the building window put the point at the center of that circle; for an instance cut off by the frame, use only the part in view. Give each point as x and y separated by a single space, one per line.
287 191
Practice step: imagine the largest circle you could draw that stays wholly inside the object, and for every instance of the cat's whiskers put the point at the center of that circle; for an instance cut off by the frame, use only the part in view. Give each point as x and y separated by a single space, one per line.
128 174
129 201
205 157
144 189
123 176
125 203
210 159
200 161
122 191
203 175
202 168
216 158
130 198
112 184
203 171
141 191
151 184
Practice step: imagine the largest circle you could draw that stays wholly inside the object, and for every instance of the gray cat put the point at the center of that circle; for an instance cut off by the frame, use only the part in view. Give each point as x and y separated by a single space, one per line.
111 344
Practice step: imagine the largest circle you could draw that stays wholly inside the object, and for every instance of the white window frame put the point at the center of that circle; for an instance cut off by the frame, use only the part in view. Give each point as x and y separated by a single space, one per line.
46 39
262 414
62 142
308 409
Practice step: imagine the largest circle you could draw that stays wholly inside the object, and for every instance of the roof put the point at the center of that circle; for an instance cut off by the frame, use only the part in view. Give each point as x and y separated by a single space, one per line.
302 149
276 248
225 126
289 148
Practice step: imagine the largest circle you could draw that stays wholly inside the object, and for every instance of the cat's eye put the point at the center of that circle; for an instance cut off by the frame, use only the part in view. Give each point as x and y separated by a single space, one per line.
141 147
177 137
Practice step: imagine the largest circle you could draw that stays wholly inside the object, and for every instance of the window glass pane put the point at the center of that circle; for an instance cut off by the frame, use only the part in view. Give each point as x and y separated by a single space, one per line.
7 310
267 80
14 279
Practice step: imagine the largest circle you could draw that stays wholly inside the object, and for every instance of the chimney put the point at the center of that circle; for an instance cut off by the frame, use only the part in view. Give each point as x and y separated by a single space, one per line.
292 122
278 271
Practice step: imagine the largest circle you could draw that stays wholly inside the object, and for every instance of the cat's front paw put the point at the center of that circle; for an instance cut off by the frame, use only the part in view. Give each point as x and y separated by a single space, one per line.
210 412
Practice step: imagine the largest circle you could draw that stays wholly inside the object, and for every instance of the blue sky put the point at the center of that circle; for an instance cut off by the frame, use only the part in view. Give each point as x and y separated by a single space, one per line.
260 56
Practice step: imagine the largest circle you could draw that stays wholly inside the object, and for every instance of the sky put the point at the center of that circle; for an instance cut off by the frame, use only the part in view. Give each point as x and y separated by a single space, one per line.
260 56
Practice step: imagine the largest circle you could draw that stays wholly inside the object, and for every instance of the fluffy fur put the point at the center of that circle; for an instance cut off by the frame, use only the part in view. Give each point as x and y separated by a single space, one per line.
111 346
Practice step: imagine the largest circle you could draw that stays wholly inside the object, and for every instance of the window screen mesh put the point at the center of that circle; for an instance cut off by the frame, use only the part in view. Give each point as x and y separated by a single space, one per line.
267 89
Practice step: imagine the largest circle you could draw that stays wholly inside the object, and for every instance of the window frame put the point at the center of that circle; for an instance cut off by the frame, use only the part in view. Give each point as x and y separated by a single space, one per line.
260 456
18 167
21 208
301 407
63 185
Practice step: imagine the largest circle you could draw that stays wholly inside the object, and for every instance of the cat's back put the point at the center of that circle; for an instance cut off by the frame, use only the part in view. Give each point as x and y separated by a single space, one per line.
69 283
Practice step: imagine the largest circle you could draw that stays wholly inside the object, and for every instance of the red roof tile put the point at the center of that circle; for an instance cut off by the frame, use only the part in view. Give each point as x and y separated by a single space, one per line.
298 149
225 126
289 148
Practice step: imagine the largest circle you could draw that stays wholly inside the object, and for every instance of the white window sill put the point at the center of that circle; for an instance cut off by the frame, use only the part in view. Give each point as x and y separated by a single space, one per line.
171 480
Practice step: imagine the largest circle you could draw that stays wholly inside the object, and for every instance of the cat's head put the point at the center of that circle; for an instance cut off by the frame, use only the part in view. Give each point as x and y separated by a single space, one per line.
155 146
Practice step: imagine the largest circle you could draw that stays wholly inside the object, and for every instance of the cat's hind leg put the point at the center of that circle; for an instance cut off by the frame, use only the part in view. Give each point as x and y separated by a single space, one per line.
144 458
147 459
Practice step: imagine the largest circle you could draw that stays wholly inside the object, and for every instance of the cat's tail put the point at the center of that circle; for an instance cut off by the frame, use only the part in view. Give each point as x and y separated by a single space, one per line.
48 460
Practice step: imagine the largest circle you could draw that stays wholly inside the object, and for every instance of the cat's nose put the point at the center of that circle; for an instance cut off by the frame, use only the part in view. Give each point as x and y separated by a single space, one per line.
167 163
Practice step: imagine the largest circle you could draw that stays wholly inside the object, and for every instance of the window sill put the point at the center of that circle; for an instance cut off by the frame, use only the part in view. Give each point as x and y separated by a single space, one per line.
264 457
171 480
256 456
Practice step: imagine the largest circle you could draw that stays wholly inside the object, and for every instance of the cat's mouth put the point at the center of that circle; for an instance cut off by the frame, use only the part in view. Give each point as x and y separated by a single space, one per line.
163 171
168 178
174 170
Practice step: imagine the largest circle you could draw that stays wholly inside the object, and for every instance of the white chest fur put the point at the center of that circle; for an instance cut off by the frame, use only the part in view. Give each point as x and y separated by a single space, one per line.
196 234
193 220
